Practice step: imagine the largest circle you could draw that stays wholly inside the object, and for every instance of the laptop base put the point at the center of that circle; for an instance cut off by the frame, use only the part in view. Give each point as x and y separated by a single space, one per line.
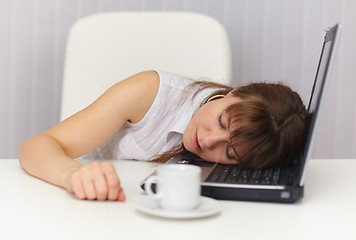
287 195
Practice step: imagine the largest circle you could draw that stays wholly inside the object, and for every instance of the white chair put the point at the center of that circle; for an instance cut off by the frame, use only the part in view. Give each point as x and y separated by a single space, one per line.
103 49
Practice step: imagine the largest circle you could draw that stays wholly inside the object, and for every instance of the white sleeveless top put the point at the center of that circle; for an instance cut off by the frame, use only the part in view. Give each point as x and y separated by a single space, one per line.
162 128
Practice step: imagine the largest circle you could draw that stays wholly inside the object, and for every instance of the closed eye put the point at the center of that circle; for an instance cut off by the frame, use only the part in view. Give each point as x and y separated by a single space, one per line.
222 125
228 156
220 121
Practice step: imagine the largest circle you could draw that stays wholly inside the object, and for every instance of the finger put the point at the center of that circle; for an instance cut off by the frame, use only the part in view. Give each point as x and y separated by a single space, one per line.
88 184
89 190
100 184
78 190
112 181
122 196
75 186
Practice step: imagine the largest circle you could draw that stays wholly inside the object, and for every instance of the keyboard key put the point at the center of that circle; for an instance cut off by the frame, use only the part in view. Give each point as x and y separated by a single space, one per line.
234 174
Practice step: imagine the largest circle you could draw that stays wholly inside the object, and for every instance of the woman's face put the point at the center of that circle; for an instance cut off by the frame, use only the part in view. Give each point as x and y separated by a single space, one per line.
208 133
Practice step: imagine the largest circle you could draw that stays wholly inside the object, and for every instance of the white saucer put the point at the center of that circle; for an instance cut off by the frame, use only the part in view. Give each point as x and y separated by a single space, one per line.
207 207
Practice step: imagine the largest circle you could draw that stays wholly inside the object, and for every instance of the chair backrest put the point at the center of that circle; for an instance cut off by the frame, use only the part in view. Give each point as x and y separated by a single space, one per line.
103 49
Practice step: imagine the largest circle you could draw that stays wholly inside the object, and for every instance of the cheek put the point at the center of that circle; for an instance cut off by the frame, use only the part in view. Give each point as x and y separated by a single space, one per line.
213 156
188 137
220 159
186 133
203 112
185 139
204 118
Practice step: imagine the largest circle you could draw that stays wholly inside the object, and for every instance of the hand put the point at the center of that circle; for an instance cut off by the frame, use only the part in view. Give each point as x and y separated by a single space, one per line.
96 181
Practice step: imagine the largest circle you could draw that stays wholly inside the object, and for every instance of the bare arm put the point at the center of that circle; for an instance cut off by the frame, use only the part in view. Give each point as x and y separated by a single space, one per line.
49 155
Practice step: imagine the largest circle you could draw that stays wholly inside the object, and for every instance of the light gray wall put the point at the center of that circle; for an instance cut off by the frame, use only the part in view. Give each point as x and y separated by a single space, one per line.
274 40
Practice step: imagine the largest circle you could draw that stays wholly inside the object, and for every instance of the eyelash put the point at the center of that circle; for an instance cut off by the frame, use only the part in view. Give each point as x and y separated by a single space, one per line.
220 122
223 127
227 154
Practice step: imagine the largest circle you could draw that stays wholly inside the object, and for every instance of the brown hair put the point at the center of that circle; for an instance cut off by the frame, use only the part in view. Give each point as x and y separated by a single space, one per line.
269 123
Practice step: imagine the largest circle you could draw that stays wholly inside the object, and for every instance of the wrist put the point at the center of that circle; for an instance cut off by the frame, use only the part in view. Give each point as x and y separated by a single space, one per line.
64 179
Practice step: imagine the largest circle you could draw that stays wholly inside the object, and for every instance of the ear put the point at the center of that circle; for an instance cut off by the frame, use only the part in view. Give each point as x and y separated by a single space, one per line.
232 92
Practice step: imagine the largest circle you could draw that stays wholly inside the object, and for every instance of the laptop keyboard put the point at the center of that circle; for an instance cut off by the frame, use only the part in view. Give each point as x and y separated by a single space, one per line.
235 174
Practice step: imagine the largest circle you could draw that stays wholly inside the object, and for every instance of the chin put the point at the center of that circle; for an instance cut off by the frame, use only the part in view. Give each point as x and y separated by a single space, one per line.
186 146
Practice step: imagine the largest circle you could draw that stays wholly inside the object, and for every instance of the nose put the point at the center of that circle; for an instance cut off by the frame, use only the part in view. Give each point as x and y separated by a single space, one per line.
214 139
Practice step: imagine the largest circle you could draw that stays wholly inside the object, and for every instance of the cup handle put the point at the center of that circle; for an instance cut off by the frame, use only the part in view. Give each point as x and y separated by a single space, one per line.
148 187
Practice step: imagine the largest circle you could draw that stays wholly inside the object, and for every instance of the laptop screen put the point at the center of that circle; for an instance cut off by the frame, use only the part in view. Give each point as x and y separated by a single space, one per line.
318 90
320 76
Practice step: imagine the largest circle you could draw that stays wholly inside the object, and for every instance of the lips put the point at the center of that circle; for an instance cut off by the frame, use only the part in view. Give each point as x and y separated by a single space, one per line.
196 142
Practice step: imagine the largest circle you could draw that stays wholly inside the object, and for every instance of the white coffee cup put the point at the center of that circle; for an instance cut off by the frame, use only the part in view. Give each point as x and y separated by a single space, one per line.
177 187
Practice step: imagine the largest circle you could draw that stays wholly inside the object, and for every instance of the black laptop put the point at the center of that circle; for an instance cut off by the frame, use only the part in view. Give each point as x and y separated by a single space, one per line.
278 184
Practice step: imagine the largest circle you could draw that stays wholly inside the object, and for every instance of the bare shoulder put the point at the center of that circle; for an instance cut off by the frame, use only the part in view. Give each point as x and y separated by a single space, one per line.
144 83
151 77
146 88
136 92
127 100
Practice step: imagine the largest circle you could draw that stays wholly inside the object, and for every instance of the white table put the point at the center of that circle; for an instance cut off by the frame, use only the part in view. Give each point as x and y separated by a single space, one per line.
33 209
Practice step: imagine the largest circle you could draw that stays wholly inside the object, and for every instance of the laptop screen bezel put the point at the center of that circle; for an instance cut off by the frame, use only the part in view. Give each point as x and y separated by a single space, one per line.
331 37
